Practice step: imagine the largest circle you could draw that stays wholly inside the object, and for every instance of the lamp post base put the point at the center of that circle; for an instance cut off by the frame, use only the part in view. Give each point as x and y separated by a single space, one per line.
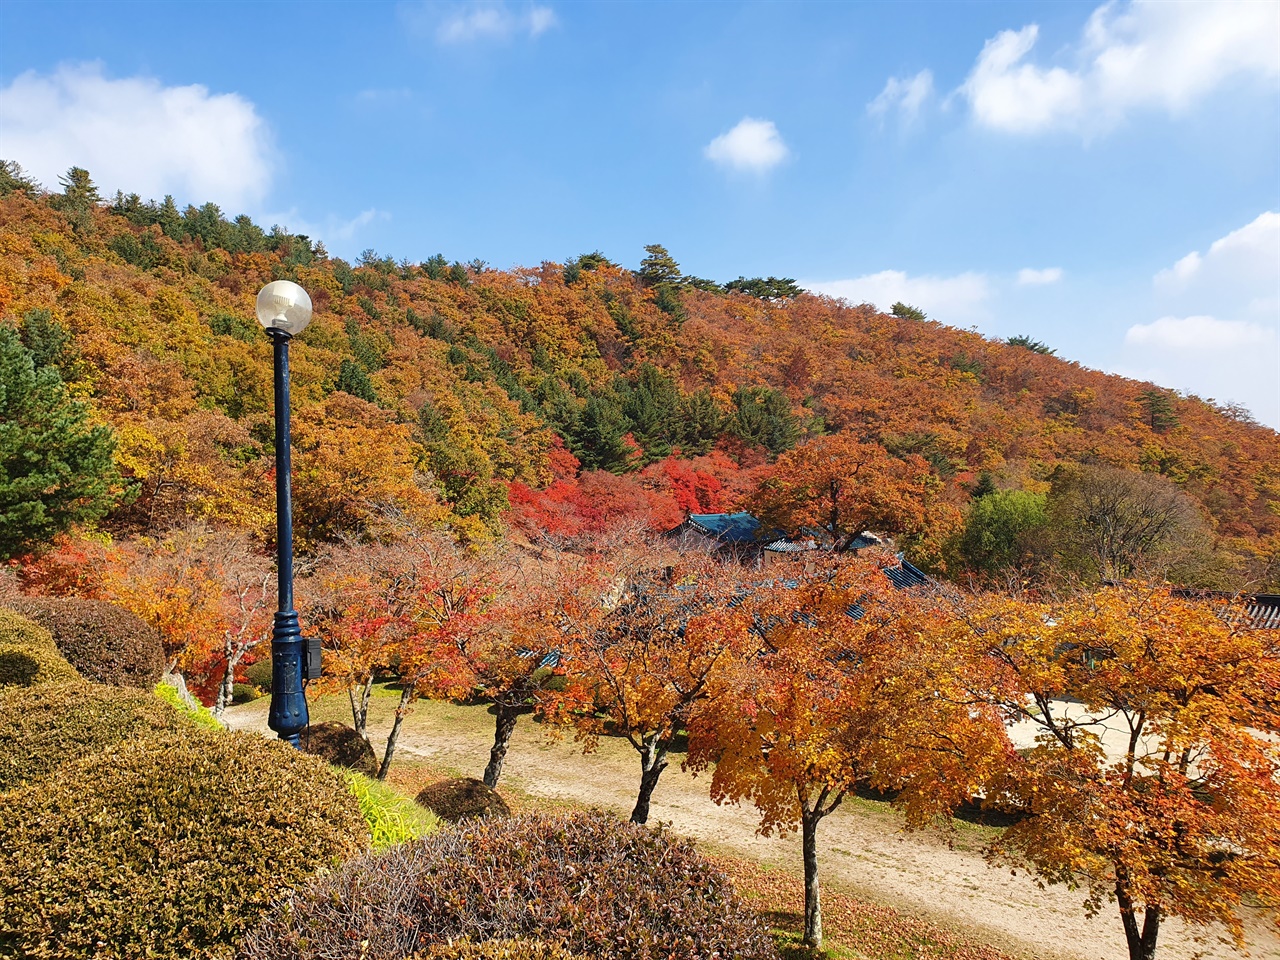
288 714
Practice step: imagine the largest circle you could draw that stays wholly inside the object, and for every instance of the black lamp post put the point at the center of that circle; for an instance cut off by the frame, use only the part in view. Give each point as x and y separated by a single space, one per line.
284 309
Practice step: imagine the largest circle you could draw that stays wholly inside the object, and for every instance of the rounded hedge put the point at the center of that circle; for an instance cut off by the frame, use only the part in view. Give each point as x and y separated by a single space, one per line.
259 673
30 666
464 798
19 631
103 642
28 655
43 727
340 745
588 883
166 847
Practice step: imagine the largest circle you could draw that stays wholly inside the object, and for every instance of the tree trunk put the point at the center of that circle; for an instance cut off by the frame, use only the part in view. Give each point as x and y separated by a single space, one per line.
504 727
812 899
226 689
653 760
401 709
1142 943
226 692
360 708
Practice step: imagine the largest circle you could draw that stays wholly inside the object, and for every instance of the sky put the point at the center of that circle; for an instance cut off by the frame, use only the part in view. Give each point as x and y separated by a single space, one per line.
1102 178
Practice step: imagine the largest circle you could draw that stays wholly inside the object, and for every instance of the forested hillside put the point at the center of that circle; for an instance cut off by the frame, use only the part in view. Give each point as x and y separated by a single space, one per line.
562 397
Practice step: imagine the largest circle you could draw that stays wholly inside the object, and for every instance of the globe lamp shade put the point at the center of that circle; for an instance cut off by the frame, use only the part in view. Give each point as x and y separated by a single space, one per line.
283 305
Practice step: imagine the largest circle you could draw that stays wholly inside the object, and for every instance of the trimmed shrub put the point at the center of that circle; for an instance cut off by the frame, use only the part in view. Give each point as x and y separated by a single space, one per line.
27 666
341 746
500 950
259 674
19 631
463 799
27 654
589 883
43 727
105 643
244 693
167 847
198 714
392 817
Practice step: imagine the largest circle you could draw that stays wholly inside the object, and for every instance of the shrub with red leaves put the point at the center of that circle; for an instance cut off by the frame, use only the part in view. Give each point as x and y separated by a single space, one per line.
586 882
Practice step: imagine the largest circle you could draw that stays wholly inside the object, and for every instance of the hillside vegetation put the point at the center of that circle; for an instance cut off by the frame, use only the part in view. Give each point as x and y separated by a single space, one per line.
553 397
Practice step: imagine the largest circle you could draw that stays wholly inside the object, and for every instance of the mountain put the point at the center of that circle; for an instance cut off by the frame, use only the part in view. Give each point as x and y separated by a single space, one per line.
550 396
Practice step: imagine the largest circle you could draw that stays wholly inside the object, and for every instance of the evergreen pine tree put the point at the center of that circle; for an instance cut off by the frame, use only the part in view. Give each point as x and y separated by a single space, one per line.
354 379
763 417
651 403
55 469
599 439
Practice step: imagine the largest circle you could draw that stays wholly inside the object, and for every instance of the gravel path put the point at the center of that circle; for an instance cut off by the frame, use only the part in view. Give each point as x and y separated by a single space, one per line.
862 848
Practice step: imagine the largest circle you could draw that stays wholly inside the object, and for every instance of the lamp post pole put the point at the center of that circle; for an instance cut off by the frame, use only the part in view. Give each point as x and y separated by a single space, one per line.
284 309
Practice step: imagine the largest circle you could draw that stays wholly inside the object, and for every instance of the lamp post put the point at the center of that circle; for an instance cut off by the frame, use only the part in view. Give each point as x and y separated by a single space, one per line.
284 310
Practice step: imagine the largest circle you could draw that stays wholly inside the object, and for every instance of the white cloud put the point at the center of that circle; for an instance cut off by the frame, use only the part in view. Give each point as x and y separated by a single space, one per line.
1143 54
906 96
493 21
136 135
1218 331
753 145
954 300
1028 277
1230 361
1199 334
1251 252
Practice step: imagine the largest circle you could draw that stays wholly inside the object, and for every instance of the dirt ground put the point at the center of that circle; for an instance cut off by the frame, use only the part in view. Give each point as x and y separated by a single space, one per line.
863 850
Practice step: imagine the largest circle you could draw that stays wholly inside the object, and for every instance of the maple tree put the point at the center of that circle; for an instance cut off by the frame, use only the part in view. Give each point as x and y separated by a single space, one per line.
248 580
1152 776
849 693
843 486
652 650
355 603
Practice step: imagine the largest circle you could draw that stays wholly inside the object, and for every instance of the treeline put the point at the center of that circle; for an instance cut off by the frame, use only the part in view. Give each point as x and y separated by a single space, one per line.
454 393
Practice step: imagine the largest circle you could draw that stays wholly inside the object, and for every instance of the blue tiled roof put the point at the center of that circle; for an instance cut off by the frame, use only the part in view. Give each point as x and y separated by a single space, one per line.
732 527
904 576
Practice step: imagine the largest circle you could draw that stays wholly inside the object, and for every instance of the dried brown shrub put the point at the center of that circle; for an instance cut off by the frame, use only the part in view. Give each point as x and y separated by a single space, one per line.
587 882
463 798
500 950
340 745
105 643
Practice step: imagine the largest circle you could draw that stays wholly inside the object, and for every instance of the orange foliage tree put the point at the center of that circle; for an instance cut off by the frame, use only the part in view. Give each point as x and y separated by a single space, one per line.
650 650
844 486
848 694
1153 774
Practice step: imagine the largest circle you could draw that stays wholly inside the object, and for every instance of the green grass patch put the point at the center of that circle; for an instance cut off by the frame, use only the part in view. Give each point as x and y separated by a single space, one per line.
392 817
200 715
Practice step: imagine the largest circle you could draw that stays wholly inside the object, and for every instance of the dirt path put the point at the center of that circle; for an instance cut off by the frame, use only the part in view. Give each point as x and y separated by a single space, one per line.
863 850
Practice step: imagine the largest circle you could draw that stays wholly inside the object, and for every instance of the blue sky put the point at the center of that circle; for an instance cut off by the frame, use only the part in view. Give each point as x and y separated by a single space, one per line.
1103 178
